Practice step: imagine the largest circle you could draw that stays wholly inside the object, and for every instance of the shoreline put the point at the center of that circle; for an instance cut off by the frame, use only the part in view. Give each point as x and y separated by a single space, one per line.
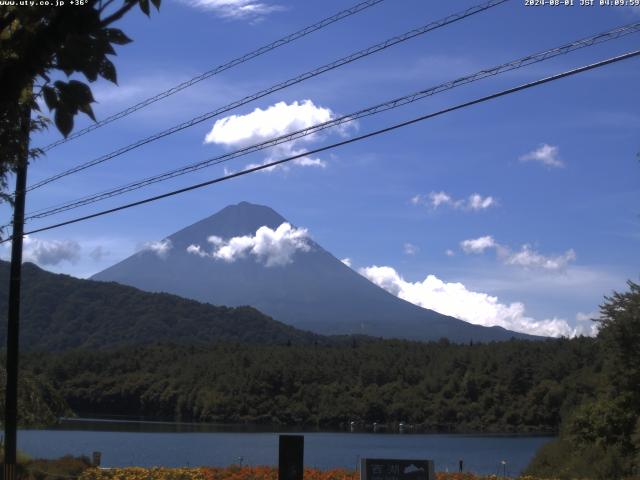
126 423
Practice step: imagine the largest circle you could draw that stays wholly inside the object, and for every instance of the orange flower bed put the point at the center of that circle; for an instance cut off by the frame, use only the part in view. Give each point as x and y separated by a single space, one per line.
271 473
140 473
243 473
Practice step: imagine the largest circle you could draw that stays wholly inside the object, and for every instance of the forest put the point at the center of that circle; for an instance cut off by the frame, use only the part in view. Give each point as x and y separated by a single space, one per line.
517 386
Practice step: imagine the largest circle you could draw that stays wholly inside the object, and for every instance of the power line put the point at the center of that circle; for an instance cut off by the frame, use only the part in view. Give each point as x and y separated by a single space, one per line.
344 142
220 68
279 86
381 107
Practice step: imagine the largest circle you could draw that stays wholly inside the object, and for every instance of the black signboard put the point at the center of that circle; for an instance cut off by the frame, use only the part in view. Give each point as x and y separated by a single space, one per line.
291 457
396 469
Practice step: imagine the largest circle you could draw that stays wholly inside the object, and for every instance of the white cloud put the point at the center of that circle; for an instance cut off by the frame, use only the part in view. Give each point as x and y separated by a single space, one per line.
440 198
478 245
529 258
526 257
235 248
347 262
417 199
585 324
260 125
271 247
215 240
81 257
478 202
160 248
278 119
410 249
548 155
474 202
196 250
98 253
50 252
456 300
449 253
236 9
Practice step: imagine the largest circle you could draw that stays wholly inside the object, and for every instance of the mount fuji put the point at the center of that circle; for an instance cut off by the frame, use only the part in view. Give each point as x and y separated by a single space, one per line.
249 254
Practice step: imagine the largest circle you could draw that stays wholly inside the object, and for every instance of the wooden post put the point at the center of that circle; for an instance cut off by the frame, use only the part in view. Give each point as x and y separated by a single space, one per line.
13 319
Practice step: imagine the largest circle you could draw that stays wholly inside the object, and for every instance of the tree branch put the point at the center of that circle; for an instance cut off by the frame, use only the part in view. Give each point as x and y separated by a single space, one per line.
104 6
118 14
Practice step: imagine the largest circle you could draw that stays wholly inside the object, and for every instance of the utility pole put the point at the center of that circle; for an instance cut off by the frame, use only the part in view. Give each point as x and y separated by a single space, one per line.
13 323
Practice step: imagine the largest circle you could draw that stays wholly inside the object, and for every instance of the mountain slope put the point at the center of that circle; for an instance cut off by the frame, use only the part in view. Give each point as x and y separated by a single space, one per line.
60 312
315 291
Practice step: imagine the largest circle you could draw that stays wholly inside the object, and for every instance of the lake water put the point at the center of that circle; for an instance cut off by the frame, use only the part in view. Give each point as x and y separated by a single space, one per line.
172 445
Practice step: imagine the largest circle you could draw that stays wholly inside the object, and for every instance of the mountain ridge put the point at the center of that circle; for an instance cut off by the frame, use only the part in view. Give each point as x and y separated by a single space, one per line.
61 312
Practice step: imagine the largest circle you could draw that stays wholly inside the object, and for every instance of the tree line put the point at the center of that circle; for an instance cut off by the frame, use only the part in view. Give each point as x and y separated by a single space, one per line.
516 386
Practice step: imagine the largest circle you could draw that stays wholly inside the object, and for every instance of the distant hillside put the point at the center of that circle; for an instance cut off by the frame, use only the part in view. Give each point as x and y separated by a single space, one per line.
61 312
313 290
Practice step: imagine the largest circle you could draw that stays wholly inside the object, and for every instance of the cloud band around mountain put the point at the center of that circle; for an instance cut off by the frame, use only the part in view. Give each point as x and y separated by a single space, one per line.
456 300
273 248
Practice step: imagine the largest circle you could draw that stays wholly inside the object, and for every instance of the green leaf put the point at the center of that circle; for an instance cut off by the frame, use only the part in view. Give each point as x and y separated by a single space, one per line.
76 51
50 97
156 3
86 109
80 92
91 68
116 36
108 71
66 99
106 47
64 121
144 6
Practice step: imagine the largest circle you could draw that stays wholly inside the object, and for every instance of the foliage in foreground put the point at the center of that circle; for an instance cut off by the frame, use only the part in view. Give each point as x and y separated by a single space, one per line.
58 469
601 437
245 473
62 468
79 467
38 44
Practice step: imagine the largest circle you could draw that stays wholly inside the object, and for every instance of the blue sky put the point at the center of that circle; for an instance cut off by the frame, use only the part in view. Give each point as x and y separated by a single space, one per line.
553 225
